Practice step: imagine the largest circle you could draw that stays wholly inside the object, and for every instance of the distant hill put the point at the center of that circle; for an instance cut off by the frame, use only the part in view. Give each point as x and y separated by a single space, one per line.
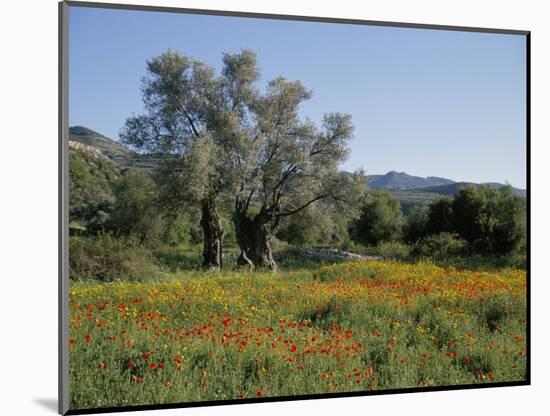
402 180
415 190
453 188
108 147
112 149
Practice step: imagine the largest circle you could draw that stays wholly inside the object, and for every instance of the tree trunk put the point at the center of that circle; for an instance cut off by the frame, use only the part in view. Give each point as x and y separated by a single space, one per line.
254 239
213 235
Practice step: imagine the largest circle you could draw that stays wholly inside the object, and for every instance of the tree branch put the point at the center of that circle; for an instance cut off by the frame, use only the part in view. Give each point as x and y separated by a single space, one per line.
189 119
294 211
248 200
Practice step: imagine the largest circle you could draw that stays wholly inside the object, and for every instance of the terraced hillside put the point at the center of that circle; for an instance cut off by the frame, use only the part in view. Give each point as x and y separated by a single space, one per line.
115 151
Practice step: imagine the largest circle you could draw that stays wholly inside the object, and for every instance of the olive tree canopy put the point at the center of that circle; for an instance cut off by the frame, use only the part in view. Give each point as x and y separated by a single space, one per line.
177 94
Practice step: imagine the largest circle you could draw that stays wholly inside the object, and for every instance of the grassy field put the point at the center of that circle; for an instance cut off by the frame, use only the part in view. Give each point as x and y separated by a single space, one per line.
348 327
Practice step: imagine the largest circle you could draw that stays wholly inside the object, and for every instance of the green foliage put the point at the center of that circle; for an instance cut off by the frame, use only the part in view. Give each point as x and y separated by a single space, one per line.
440 216
177 229
491 220
441 246
106 258
380 219
91 199
417 223
135 211
319 224
393 250
178 258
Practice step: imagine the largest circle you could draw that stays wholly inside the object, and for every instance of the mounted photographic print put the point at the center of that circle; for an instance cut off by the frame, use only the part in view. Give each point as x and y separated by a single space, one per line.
264 208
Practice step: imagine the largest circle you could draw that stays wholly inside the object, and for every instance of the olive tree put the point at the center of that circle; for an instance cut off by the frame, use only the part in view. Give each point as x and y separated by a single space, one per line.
278 161
221 137
177 94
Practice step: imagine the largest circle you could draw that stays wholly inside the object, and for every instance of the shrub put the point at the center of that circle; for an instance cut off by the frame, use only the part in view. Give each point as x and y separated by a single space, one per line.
393 250
106 258
176 230
441 246
176 258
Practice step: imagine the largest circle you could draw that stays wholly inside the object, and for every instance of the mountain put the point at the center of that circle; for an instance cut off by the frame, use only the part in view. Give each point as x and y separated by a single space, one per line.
402 180
112 149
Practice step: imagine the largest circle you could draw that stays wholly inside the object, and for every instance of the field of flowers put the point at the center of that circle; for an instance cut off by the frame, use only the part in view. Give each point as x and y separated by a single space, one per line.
358 326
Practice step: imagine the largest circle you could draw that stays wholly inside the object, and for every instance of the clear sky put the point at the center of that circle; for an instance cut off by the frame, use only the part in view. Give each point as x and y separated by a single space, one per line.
427 102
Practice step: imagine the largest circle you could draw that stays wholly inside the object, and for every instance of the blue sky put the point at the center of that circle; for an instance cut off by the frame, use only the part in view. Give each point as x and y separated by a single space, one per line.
427 102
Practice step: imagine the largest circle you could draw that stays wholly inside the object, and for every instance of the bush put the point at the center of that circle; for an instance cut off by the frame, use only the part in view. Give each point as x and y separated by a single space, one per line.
393 250
176 230
106 258
177 258
441 246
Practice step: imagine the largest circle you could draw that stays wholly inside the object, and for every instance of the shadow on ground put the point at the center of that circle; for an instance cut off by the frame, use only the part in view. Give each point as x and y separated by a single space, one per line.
49 404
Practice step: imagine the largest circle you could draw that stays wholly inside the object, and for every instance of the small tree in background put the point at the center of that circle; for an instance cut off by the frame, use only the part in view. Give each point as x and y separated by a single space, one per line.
440 216
491 220
135 212
380 219
417 223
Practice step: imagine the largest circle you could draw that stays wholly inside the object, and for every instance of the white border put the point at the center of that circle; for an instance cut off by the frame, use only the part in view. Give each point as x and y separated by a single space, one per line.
28 212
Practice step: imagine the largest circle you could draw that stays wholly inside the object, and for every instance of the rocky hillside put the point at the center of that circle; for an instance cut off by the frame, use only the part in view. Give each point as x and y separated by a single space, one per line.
115 151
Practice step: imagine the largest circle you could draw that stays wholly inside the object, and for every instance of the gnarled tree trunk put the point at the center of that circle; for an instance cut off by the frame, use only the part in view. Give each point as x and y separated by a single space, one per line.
213 235
254 239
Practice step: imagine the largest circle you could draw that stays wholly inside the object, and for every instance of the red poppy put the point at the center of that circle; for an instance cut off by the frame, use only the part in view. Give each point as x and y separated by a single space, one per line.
88 338
145 356
260 393
151 365
130 364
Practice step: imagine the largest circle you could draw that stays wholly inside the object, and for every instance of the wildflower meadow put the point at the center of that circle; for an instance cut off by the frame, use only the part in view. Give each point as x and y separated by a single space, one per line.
357 326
